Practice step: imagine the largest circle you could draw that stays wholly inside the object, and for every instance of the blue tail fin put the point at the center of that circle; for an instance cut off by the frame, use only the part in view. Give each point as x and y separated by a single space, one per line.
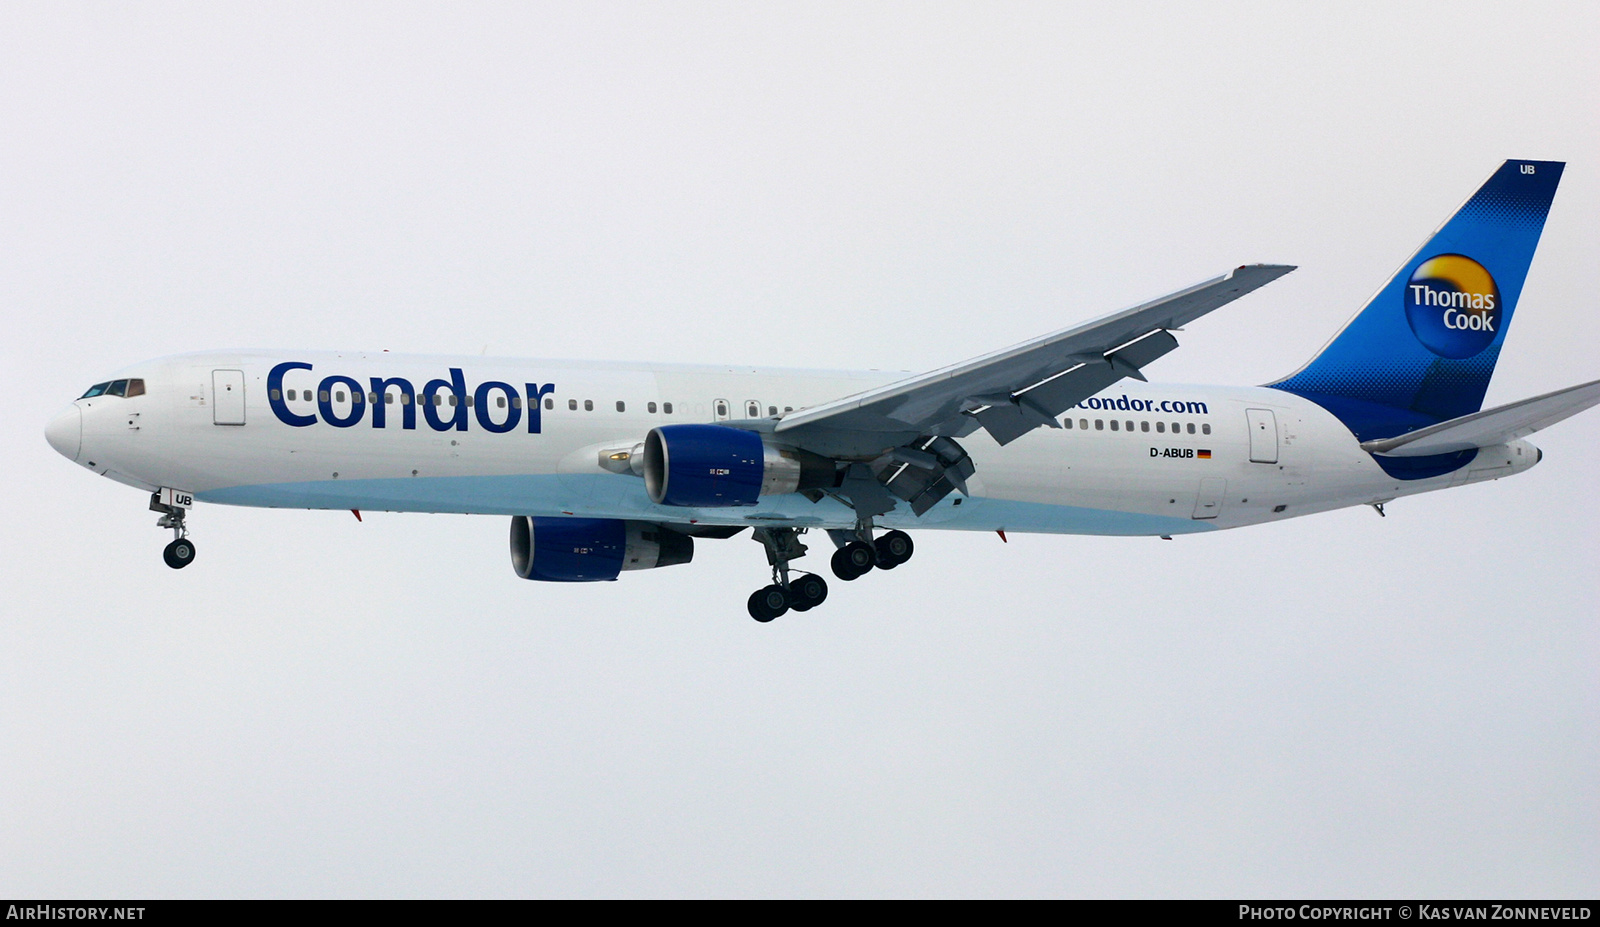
1423 349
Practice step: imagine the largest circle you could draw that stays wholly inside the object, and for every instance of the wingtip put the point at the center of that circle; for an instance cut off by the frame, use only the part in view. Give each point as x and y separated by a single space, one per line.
1261 274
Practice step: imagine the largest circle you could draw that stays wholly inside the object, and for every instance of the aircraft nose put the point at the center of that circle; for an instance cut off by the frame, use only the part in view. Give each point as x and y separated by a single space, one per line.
65 432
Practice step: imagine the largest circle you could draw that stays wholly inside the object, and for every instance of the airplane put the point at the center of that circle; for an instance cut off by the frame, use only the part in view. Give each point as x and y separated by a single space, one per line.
605 468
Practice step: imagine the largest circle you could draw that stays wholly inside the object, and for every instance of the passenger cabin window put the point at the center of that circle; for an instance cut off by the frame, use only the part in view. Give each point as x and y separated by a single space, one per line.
1067 424
1191 428
572 405
549 403
588 405
1205 429
1114 424
772 410
722 409
621 406
1161 428
752 409
651 407
666 408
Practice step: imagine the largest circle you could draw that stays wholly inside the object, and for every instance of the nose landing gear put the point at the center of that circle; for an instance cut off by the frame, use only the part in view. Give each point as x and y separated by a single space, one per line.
173 506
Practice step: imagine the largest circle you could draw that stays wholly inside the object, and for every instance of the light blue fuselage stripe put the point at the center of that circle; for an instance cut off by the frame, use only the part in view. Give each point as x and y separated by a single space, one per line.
604 496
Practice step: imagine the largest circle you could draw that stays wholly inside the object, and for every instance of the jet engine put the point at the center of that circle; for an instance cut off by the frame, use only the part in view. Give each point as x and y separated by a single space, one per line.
714 465
586 550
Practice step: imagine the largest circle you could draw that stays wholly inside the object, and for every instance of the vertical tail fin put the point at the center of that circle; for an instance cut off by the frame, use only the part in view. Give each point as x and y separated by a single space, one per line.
1423 349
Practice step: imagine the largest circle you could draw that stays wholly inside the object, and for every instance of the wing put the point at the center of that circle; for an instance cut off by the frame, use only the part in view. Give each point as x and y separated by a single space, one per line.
902 435
1013 391
1491 426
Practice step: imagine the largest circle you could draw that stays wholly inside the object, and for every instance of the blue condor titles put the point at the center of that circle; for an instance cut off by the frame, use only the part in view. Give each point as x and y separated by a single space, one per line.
1125 404
497 406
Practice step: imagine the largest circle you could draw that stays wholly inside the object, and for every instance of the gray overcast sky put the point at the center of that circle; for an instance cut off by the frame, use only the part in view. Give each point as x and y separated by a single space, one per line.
1338 705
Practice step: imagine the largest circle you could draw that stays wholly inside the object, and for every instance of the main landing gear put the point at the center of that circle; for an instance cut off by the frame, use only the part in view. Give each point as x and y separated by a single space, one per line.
799 593
179 553
856 558
858 554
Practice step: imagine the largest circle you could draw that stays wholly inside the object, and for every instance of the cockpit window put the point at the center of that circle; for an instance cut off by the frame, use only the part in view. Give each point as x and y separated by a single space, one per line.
115 388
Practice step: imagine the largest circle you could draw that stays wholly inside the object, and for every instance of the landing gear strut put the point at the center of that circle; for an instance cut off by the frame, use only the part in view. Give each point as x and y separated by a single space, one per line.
801 593
173 507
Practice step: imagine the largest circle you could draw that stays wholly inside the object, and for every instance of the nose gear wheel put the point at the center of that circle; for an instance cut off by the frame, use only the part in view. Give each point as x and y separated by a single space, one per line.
179 553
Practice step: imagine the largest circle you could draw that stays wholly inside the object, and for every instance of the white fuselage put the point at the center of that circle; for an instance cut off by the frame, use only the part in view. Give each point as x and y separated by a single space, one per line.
1141 459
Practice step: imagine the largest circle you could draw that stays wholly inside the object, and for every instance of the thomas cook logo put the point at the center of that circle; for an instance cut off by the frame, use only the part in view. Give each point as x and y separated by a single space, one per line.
1453 305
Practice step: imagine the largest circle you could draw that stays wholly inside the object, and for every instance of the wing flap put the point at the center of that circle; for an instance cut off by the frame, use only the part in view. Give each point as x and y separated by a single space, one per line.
1491 426
1014 416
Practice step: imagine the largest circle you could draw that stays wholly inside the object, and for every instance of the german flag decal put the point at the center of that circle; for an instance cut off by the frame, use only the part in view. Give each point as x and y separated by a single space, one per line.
1203 454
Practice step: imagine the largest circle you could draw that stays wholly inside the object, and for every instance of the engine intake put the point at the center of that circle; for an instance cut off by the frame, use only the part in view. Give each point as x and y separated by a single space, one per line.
587 550
714 465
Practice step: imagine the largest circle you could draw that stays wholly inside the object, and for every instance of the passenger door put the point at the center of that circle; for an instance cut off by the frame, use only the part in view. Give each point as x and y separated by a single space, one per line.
1263 435
227 397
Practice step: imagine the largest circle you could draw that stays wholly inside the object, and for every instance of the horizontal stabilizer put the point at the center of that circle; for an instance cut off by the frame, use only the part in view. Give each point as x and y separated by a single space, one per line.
1491 426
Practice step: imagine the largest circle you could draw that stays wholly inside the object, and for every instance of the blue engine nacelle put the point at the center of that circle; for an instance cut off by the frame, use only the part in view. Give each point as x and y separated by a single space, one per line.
714 465
587 550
